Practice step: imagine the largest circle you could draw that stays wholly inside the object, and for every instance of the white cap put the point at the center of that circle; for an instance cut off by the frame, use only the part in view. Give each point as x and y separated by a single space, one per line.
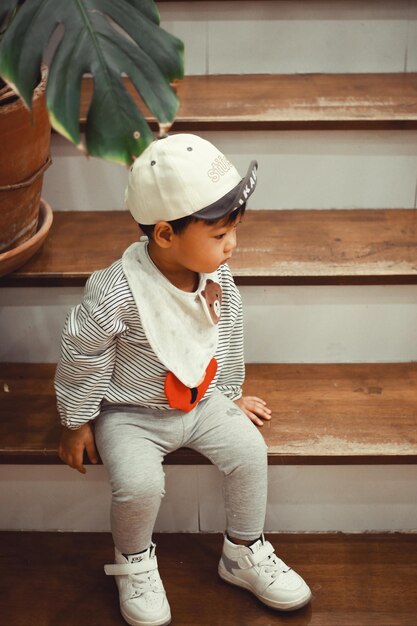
181 175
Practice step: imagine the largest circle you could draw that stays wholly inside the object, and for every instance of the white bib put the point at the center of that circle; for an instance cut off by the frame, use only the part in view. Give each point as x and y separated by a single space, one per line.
179 326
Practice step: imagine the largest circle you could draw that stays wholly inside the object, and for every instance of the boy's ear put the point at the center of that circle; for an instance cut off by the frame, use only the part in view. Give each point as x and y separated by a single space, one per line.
163 234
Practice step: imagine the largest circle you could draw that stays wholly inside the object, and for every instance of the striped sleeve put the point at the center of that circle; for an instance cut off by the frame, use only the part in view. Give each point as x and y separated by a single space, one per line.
232 374
88 349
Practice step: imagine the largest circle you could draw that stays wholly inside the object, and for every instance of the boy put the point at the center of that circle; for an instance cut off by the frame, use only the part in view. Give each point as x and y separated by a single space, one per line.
152 360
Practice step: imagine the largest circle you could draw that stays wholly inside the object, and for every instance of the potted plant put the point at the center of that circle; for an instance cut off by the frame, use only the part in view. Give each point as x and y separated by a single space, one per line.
112 41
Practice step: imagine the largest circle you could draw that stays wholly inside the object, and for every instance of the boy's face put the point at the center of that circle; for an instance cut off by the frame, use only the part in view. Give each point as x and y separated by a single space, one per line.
204 247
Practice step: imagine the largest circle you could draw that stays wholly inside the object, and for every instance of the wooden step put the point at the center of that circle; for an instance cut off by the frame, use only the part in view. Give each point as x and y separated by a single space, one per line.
322 414
296 247
289 102
57 579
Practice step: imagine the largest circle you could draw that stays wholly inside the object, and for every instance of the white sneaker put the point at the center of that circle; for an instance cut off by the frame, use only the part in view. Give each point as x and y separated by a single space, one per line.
258 569
143 601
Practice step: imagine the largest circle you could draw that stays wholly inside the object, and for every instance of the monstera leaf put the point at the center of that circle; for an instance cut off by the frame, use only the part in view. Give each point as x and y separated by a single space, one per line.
107 39
7 9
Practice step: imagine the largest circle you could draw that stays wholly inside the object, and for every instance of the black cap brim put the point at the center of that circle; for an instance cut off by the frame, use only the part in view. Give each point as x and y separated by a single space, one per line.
232 200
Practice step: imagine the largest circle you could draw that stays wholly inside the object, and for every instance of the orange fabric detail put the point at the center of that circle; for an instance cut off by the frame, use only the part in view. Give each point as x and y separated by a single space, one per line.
185 398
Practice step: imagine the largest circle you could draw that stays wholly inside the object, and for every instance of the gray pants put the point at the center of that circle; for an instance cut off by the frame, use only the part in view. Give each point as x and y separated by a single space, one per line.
133 442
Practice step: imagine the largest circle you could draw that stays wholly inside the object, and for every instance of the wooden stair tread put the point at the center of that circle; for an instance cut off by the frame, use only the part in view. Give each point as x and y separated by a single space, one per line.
322 413
355 579
292 247
289 101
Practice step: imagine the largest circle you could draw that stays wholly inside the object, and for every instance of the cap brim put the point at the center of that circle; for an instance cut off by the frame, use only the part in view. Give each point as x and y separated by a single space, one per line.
232 200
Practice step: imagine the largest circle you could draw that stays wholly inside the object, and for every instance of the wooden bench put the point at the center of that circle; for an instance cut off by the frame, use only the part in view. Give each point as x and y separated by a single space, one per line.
289 102
356 580
305 247
322 414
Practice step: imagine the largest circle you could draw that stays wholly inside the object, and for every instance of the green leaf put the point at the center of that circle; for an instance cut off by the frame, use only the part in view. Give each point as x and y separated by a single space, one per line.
106 39
7 8
149 9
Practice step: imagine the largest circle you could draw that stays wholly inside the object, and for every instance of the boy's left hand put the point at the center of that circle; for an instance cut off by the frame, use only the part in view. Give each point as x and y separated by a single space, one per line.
255 408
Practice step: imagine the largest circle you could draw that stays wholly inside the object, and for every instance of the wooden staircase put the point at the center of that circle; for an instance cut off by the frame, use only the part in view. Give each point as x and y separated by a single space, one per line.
328 247
324 414
290 102
57 579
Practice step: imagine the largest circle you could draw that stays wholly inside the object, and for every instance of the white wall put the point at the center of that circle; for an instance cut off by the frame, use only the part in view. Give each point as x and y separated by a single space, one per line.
297 170
326 324
318 498
295 36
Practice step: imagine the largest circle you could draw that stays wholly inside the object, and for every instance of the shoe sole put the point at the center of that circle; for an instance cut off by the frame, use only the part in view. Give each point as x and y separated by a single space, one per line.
164 621
282 606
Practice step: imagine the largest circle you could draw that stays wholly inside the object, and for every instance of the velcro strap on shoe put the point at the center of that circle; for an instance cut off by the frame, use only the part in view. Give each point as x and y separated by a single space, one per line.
244 562
123 569
250 560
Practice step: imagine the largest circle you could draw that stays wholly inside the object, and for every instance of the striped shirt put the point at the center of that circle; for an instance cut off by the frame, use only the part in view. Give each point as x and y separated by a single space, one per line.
106 357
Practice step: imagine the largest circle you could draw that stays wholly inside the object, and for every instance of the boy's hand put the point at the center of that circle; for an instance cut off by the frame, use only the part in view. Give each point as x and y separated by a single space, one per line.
72 446
255 408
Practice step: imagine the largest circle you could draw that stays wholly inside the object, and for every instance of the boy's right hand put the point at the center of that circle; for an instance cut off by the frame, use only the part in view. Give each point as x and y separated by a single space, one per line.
72 446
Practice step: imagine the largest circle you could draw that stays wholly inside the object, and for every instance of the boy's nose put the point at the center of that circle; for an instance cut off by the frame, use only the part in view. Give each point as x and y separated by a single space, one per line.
231 242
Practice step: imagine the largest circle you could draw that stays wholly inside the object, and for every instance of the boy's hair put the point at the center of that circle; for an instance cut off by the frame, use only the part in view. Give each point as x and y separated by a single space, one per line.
178 226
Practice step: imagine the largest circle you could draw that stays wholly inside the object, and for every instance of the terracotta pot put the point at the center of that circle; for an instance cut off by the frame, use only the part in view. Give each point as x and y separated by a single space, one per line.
24 156
13 259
